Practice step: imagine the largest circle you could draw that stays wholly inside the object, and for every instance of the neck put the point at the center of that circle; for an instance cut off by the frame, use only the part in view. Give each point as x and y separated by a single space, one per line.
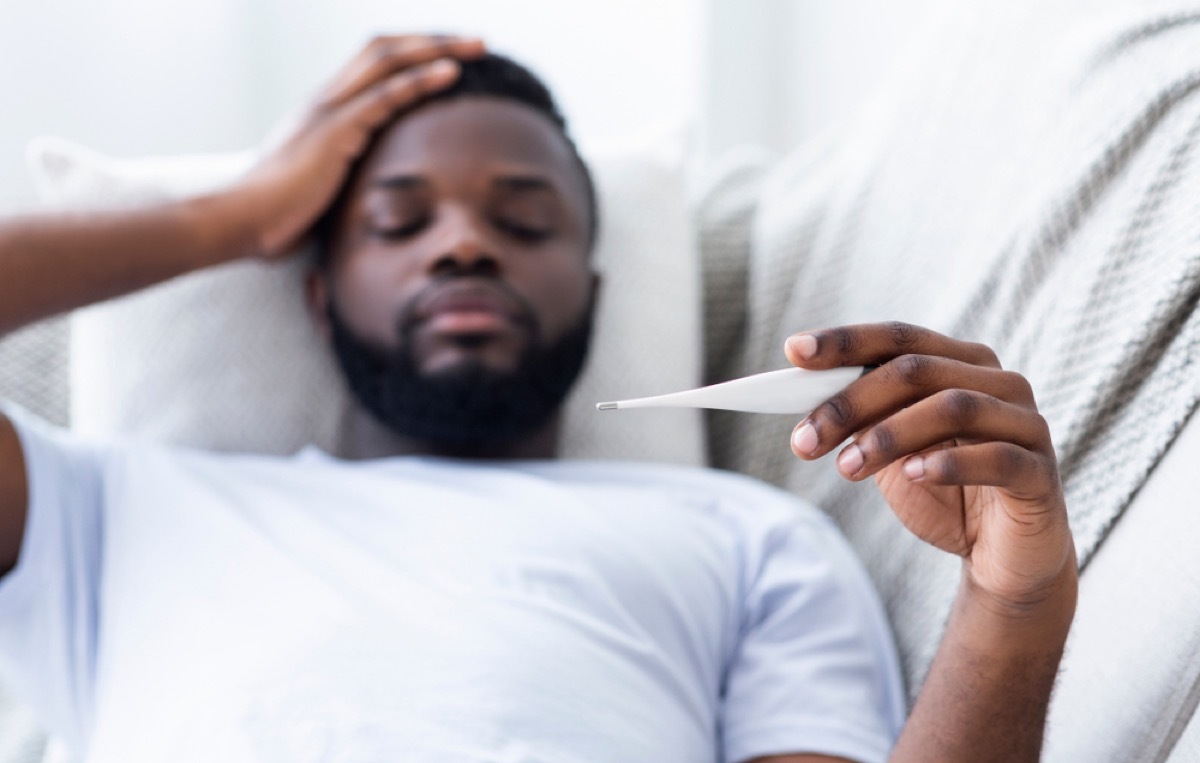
365 437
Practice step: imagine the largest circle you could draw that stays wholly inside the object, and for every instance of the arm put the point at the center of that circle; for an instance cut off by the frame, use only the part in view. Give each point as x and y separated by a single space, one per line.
960 453
54 263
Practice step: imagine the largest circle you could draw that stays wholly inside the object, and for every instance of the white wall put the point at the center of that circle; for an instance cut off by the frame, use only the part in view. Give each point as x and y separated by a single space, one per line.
776 72
128 76
613 64
137 77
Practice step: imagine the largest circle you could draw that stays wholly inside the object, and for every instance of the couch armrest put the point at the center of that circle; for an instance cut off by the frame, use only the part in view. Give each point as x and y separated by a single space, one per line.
1132 667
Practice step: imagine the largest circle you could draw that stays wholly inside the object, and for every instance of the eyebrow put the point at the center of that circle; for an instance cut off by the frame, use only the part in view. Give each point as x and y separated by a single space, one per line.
402 182
524 183
507 182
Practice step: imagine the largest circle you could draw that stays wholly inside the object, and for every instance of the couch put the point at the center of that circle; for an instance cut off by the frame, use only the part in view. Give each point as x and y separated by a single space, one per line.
1030 178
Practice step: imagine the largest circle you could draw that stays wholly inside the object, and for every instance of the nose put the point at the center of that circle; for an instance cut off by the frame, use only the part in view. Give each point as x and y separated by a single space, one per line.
463 247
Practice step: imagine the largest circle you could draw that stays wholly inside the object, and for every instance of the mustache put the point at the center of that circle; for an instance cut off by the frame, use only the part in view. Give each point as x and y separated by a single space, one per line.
416 309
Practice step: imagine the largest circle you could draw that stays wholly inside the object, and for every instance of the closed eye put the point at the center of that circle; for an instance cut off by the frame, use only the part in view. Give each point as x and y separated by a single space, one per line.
399 232
522 232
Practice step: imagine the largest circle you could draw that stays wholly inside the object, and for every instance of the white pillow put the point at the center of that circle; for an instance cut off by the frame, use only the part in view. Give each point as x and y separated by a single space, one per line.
228 358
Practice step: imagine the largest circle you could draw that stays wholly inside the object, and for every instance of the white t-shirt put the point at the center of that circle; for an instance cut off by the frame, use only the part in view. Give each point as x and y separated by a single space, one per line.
180 606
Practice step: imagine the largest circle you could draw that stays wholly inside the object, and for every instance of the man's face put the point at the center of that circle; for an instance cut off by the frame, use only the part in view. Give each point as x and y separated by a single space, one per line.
462 247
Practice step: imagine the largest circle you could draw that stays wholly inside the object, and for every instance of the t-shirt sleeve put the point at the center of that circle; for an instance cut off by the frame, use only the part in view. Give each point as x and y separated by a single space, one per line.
815 670
48 602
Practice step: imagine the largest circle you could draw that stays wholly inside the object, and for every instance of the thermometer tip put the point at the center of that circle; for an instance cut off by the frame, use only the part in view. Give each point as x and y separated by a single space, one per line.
606 406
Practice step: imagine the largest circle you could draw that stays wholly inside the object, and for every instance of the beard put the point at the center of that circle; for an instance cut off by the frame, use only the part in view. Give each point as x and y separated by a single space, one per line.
467 407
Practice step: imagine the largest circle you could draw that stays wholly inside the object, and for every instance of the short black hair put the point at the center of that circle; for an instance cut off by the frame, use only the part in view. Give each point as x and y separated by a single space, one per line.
490 76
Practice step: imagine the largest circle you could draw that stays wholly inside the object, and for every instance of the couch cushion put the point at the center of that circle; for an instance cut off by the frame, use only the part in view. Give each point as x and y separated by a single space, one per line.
1130 676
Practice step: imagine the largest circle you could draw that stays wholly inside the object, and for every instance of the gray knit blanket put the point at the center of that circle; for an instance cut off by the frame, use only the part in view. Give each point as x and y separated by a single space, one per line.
1029 180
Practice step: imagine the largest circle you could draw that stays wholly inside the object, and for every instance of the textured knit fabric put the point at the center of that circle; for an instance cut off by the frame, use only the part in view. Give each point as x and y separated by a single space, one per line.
1031 183
33 370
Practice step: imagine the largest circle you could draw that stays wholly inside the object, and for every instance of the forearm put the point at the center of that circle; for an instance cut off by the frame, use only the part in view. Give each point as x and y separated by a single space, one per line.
988 690
53 264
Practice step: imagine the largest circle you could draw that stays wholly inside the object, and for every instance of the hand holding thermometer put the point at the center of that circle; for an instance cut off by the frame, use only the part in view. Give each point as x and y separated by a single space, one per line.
792 391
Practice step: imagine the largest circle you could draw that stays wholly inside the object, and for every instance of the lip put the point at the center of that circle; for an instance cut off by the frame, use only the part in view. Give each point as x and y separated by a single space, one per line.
470 308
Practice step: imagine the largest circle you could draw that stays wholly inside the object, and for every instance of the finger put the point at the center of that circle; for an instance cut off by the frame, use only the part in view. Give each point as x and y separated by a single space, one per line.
386 56
1024 474
948 416
877 343
372 108
896 385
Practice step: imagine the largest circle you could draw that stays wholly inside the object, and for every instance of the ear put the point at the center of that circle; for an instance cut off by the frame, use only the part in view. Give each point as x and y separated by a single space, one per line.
316 291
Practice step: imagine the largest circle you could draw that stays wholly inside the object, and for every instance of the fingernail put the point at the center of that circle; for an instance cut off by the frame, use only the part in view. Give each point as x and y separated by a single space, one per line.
442 66
850 461
805 440
803 345
914 468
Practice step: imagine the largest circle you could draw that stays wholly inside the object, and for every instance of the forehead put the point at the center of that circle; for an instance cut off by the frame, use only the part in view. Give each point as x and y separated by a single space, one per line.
469 135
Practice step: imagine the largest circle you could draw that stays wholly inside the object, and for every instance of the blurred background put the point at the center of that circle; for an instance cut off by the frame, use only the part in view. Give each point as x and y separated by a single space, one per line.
142 77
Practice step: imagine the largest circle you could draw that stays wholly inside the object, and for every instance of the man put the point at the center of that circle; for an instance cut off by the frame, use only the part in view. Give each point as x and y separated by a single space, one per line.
475 599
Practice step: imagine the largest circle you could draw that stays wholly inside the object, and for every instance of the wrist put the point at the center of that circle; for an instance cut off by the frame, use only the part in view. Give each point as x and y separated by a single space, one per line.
223 224
988 690
1034 623
1015 573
